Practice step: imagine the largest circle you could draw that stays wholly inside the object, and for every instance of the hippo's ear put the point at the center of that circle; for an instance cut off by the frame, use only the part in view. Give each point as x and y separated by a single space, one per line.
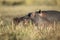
39 11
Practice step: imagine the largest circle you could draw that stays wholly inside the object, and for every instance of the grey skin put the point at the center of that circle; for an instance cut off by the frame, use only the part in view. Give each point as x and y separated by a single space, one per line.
47 17
52 15
40 20
37 19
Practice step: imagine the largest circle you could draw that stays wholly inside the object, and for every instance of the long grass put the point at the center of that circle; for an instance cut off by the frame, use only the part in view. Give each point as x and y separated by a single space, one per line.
29 32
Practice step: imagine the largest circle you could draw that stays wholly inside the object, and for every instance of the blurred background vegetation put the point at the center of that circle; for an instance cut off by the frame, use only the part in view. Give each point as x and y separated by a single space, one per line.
17 6
31 2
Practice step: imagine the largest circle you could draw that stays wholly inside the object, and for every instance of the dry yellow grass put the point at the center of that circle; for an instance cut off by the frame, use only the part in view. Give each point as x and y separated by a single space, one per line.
30 32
